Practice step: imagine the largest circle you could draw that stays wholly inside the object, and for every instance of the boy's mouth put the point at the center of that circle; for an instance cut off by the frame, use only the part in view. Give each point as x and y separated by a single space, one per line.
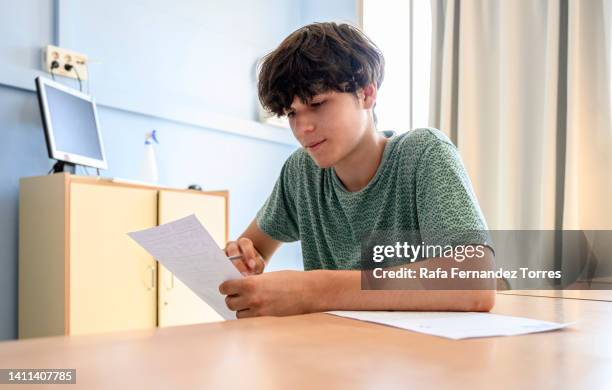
315 145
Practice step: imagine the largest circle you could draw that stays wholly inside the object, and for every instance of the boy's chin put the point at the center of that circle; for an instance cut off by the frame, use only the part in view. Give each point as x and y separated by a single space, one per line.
322 162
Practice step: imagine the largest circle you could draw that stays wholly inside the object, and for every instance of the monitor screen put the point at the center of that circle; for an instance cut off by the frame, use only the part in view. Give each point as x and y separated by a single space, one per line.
71 125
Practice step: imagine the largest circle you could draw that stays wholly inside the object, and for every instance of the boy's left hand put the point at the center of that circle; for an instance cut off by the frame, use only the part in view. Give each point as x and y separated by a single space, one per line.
279 293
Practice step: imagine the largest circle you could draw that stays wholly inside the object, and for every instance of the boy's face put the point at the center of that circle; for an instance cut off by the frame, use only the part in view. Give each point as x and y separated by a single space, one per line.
330 126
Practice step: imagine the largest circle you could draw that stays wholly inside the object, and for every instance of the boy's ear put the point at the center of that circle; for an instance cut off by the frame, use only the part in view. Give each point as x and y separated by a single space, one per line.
368 94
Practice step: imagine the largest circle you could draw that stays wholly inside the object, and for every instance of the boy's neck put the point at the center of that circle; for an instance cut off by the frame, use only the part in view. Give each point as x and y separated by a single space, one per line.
357 169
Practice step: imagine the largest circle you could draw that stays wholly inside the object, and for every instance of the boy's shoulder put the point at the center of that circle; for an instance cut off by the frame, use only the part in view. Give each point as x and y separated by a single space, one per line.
421 138
413 144
409 149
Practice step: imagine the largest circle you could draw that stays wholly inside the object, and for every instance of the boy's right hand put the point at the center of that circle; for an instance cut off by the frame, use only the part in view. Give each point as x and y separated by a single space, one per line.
251 262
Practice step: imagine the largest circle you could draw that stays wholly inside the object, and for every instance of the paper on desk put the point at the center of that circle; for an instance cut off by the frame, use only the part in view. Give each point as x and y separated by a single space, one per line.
454 325
187 250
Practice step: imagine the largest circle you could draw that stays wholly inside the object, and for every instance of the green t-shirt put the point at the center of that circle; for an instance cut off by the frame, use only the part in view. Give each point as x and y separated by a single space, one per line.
420 185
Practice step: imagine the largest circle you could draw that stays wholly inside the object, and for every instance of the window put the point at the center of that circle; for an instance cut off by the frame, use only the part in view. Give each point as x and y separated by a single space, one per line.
402 29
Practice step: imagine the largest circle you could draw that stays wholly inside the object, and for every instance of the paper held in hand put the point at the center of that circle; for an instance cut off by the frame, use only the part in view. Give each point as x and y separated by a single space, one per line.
187 250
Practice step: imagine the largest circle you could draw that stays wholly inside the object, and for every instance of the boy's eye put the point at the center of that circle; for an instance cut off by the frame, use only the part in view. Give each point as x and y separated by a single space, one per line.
317 104
291 114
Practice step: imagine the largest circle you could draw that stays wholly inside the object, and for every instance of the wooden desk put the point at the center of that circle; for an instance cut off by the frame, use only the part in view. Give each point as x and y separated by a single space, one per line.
595 295
323 351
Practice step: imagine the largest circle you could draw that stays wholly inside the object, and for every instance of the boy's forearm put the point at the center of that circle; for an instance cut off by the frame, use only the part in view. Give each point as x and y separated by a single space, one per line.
341 290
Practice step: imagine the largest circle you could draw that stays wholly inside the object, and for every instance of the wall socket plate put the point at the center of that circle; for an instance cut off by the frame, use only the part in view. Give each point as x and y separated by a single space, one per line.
64 56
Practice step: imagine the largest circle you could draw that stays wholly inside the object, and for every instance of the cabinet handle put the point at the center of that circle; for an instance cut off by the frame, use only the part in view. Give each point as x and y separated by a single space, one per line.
169 285
152 269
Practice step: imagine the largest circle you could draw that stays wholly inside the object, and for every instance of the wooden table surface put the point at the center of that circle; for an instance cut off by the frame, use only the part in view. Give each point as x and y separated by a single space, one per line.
323 351
596 295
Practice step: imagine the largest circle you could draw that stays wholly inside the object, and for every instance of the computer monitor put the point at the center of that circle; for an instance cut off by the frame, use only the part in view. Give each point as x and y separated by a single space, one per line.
72 130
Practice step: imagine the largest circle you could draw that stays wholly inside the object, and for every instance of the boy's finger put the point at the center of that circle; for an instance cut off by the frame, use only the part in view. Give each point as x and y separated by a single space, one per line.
246 313
231 287
257 265
236 302
232 249
248 252
242 268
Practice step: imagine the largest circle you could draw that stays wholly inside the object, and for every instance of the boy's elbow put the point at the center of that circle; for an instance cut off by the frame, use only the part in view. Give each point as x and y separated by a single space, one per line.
482 300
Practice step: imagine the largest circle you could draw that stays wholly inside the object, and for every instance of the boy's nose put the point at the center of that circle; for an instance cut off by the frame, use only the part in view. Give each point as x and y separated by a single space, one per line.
302 132
303 125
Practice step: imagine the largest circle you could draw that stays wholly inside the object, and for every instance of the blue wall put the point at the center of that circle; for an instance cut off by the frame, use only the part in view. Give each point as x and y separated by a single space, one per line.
329 10
154 64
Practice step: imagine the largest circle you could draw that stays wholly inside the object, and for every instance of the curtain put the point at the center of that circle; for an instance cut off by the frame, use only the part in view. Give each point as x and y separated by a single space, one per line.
523 89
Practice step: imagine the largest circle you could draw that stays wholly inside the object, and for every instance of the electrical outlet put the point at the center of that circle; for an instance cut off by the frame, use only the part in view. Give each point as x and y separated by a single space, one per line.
63 56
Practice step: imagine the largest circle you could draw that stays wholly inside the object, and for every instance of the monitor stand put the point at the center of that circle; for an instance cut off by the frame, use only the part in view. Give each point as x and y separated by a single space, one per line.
63 166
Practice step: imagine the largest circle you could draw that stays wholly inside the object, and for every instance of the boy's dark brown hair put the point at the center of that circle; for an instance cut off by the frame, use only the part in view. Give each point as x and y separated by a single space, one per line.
318 58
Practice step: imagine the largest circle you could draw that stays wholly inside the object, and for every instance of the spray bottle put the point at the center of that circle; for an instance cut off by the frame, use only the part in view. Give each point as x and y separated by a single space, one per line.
148 171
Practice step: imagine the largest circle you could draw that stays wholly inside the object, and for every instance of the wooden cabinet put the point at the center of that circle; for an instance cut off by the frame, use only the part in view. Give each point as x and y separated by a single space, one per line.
80 273
111 280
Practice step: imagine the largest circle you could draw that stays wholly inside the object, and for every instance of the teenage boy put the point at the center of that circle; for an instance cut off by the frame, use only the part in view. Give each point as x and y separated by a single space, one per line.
347 180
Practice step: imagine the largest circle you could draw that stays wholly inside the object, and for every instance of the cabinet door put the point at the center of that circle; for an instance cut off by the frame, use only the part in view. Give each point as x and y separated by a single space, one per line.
177 304
112 279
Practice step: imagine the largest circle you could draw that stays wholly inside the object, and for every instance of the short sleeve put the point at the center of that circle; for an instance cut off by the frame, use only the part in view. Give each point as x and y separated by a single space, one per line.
278 216
447 209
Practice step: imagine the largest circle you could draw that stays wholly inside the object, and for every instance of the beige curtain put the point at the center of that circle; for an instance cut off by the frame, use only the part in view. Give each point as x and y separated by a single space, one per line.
523 89
588 190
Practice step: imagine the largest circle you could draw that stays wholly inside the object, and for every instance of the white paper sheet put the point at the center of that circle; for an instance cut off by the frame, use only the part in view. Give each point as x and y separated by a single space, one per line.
187 250
454 325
